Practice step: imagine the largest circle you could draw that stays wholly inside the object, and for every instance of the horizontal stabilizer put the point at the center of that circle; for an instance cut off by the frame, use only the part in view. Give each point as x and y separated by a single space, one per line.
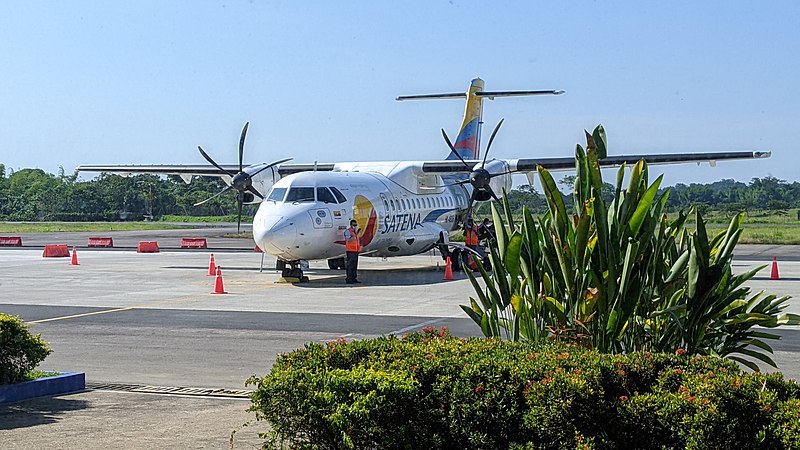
488 94
431 96
493 94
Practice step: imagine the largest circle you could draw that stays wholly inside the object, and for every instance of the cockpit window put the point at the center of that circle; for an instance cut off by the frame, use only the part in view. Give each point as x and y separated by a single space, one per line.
276 194
300 194
339 195
325 196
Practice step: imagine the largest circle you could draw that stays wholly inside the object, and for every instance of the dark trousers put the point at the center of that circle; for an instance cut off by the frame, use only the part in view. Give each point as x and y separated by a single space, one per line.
351 264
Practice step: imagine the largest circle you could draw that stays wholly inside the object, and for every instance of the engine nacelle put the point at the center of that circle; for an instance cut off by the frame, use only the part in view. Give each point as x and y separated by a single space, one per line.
499 182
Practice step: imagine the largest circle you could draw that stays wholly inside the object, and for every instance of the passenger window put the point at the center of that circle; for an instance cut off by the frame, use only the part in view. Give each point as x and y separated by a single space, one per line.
339 196
301 194
428 201
325 196
391 203
276 194
386 205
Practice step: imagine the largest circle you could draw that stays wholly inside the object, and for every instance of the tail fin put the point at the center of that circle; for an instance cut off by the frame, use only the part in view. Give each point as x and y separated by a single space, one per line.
469 135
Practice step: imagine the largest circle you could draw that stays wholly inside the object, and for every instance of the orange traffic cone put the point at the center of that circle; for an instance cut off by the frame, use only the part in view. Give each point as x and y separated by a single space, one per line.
448 270
74 261
774 275
218 287
212 267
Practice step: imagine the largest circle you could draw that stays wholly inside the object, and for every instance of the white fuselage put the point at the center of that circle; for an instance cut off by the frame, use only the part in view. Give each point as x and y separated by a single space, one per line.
305 214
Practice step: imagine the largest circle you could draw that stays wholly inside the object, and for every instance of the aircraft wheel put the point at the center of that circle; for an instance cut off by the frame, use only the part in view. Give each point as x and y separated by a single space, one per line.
336 264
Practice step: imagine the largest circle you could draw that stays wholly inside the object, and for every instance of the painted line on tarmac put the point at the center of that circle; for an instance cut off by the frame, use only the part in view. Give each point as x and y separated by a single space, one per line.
113 310
75 316
421 325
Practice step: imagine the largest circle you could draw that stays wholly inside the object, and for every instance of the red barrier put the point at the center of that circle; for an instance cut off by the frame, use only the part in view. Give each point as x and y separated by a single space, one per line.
258 249
148 247
194 243
10 241
55 251
102 242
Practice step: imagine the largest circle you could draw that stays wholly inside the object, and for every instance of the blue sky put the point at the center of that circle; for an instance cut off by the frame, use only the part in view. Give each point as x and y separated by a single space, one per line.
146 82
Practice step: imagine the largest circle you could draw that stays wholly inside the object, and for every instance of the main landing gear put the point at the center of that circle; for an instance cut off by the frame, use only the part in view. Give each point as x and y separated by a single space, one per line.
336 264
291 271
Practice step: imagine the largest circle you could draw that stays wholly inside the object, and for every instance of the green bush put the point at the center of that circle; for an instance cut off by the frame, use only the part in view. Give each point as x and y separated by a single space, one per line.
20 351
618 275
430 390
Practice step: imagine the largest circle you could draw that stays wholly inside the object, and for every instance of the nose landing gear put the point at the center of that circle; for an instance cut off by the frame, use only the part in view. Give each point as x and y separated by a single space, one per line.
291 271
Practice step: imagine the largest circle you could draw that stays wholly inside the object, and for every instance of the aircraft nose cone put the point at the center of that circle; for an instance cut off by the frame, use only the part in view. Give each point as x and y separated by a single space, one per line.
277 236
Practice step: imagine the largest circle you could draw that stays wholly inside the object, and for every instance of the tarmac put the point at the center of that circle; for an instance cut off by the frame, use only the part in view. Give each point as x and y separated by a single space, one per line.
166 360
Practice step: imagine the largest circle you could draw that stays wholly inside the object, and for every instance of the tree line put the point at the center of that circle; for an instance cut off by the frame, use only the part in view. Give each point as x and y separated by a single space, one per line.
35 195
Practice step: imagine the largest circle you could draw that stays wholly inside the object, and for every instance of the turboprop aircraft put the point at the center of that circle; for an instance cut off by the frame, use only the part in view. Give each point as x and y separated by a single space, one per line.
402 207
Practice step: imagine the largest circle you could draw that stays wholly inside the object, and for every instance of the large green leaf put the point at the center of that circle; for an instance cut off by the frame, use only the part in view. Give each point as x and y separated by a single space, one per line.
643 208
554 200
512 255
475 316
499 228
599 136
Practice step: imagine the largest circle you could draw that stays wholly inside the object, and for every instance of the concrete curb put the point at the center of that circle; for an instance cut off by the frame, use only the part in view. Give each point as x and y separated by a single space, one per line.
59 384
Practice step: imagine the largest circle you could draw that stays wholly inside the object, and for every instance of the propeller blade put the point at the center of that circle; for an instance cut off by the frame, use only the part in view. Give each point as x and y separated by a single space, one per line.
241 144
238 214
453 149
494 196
471 201
213 163
503 173
270 165
214 196
491 139
255 192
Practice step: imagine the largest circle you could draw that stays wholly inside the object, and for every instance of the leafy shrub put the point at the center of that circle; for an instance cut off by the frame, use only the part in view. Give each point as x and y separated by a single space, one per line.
20 351
619 276
430 390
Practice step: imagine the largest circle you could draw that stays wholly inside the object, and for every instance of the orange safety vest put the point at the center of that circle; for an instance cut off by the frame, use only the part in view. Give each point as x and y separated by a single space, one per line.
471 235
352 244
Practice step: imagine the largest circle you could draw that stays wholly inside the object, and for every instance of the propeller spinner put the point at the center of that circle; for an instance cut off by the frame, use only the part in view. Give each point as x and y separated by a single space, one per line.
242 181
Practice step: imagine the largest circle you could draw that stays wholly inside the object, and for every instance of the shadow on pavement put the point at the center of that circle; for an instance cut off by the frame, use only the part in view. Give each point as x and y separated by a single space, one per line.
377 277
38 411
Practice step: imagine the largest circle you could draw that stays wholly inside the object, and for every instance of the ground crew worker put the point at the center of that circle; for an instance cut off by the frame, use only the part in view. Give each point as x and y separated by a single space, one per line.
471 241
471 234
352 247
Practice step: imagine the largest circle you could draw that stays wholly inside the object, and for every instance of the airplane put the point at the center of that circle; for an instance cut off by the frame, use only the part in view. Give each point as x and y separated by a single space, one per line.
402 207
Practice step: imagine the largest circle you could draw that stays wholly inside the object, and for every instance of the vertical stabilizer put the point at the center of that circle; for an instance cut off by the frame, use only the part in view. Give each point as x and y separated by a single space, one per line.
468 140
469 135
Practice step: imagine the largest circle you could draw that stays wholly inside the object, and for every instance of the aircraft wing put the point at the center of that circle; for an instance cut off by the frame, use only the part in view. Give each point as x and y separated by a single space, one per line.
438 167
568 163
188 171
204 170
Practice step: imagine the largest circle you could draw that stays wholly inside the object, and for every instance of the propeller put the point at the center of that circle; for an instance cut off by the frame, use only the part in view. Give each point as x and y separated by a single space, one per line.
242 180
479 177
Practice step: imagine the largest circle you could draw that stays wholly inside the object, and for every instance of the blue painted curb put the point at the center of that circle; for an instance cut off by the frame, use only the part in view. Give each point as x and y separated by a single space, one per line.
59 384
